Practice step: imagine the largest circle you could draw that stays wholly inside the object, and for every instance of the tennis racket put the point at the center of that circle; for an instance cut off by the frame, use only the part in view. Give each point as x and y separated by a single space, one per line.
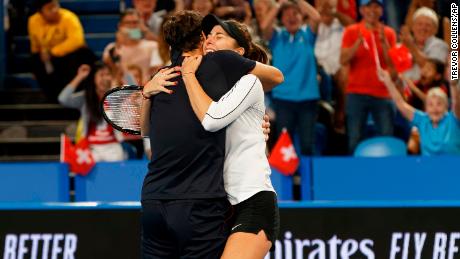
121 108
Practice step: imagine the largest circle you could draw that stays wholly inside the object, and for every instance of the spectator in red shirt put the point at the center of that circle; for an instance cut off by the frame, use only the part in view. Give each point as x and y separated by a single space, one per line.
365 48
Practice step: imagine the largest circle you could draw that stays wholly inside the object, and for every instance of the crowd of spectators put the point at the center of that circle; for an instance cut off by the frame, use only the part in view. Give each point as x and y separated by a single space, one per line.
330 52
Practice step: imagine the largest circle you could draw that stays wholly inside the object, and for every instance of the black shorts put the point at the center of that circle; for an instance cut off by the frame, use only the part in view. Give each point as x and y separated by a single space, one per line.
260 212
185 228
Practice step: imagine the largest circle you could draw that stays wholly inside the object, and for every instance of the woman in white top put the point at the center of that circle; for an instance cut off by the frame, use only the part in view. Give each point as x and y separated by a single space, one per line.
246 169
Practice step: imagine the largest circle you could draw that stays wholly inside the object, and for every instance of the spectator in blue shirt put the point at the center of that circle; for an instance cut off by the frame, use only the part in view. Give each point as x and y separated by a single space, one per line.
438 127
295 101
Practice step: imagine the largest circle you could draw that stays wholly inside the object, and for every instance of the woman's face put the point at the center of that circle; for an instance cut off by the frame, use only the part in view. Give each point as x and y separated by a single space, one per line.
423 28
130 21
204 7
218 39
435 107
291 18
428 73
103 81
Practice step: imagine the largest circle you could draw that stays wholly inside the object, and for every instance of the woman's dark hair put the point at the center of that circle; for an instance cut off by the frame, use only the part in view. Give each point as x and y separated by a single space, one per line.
91 98
439 66
254 51
440 69
182 31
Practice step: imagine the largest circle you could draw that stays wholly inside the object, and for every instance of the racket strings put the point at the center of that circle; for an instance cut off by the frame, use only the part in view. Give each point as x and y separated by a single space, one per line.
123 108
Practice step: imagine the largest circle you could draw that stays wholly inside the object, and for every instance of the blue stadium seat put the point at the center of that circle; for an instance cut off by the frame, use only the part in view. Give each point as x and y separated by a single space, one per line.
98 41
282 185
306 177
99 23
21 64
381 147
91 6
386 178
22 44
34 182
120 181
95 41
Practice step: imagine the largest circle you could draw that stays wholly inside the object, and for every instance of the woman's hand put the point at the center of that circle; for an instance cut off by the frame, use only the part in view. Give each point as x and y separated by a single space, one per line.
83 71
161 79
190 64
406 36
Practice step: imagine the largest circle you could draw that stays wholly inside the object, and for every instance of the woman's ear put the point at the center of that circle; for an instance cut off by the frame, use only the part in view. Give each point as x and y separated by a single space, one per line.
240 50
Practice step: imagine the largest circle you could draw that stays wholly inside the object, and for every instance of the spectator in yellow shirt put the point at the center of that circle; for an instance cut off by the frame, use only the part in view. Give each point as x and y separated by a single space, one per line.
57 45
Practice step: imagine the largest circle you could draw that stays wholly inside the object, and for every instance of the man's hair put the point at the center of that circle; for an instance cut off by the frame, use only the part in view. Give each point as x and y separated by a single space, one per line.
183 30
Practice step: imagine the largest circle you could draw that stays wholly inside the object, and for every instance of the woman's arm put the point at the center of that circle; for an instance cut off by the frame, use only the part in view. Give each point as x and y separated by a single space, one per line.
408 40
270 76
67 96
406 110
217 115
314 18
421 95
268 22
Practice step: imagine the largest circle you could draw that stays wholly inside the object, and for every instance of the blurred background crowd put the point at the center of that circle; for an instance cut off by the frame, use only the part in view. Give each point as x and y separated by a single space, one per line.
69 53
